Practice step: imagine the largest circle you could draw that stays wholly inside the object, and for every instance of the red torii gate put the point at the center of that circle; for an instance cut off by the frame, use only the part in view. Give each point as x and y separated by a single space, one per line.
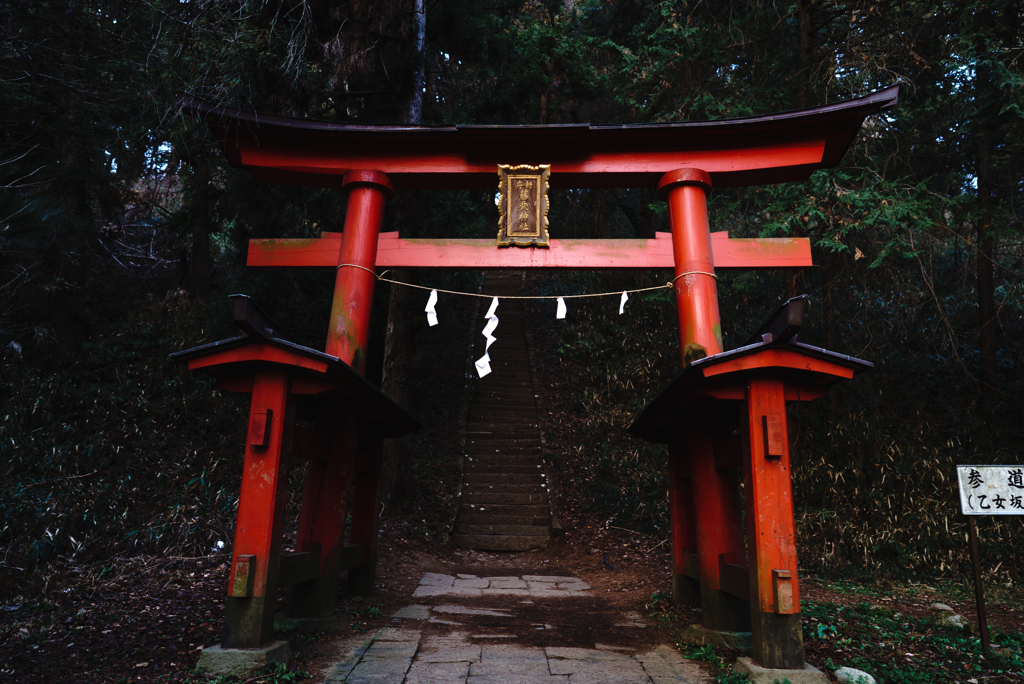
684 161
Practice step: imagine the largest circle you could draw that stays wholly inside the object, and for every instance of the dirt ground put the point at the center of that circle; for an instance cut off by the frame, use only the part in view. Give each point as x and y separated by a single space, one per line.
147 619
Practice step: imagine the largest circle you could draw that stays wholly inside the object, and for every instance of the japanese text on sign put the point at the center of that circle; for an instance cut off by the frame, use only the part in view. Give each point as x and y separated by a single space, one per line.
991 490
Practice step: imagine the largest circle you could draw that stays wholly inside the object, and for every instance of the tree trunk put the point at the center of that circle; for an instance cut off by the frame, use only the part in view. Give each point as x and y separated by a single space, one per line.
805 32
986 254
400 338
414 111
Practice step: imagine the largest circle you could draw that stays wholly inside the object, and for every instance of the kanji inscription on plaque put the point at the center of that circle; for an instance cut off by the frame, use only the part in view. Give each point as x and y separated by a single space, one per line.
991 490
523 205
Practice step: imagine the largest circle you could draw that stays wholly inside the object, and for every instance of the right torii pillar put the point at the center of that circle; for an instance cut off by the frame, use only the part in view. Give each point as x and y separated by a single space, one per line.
718 428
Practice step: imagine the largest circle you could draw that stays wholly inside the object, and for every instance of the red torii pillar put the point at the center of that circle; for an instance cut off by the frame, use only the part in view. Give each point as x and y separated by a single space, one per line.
322 519
705 519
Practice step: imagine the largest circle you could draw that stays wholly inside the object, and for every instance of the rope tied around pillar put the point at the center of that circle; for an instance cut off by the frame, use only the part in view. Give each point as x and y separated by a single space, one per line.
693 273
368 270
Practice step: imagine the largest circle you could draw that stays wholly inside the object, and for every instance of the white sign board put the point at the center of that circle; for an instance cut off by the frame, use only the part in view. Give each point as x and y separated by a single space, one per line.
991 490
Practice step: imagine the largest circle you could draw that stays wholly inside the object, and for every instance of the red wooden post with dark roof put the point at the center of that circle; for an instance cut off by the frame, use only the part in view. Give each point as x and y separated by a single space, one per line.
685 161
288 382
746 389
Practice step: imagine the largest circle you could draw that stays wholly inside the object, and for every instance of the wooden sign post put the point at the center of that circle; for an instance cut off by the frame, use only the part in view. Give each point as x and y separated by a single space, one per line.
987 490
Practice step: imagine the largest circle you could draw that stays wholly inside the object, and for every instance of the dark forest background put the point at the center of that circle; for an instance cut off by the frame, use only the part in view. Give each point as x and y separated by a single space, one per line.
122 230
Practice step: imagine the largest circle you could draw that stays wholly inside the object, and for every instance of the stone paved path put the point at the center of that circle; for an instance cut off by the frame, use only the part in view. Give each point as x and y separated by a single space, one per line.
446 639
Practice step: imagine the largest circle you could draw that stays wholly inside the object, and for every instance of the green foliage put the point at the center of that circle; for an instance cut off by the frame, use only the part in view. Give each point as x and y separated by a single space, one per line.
139 457
607 366
901 649
726 677
358 616
705 653
278 673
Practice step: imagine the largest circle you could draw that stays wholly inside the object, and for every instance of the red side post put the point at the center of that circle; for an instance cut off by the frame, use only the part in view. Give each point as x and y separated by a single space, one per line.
714 496
719 534
322 523
256 555
685 589
771 532
365 513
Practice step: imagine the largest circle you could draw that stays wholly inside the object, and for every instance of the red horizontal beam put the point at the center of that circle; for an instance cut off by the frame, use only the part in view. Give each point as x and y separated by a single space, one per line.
396 252
312 161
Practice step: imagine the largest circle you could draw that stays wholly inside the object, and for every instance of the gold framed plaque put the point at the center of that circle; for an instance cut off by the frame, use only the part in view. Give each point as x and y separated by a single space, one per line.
523 205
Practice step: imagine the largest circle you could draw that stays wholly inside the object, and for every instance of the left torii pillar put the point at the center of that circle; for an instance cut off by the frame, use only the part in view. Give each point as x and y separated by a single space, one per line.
706 526
324 505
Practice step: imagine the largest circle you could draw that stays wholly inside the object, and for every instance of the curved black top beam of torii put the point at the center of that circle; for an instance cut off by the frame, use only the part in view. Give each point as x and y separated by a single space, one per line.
754 150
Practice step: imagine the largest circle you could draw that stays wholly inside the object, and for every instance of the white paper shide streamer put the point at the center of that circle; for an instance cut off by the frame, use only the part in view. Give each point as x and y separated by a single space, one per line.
622 302
561 308
431 314
483 364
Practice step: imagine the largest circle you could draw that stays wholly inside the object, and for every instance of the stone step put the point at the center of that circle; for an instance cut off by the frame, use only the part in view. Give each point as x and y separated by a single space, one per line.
511 428
497 542
481 464
486 392
500 462
513 424
501 410
497 415
501 468
504 433
504 478
491 440
507 338
503 440
509 379
519 389
507 351
489 449
496 519
532 511
514 367
502 488
504 499
525 402
504 528
498 426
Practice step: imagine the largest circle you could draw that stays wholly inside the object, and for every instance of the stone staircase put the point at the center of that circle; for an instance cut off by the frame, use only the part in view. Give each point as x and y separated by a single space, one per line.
505 503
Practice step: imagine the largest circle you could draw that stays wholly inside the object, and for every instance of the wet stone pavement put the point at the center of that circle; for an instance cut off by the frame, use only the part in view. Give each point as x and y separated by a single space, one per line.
522 629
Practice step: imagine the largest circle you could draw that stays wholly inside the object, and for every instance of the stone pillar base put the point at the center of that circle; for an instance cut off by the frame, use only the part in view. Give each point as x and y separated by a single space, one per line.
243 662
335 624
699 634
763 675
